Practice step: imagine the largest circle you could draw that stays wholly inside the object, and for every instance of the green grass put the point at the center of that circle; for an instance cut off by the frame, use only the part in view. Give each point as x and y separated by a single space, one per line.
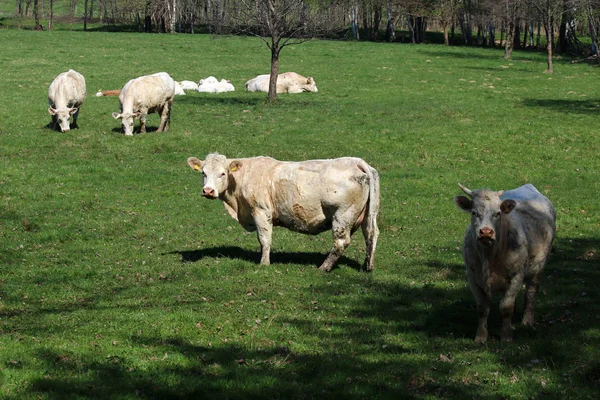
117 280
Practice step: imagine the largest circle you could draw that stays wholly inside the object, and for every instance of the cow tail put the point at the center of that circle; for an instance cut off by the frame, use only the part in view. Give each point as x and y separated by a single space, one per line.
369 224
373 207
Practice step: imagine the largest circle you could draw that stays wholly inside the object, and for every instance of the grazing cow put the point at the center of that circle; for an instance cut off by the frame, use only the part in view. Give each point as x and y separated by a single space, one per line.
66 95
288 82
145 95
506 244
308 197
212 85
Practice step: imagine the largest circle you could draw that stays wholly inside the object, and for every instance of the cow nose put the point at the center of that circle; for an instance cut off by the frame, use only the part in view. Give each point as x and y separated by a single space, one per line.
486 232
208 192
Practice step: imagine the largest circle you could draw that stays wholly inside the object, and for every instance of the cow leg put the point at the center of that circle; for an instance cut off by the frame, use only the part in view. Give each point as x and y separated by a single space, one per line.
370 233
264 231
483 309
143 123
53 122
531 289
167 112
507 307
341 240
75 116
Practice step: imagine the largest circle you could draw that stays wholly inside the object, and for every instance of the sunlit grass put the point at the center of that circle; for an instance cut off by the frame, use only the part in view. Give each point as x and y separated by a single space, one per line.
117 280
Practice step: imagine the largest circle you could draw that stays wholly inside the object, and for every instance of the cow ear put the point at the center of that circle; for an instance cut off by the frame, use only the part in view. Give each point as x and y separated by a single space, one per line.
116 115
72 111
463 203
507 206
137 115
195 164
52 111
235 166
500 193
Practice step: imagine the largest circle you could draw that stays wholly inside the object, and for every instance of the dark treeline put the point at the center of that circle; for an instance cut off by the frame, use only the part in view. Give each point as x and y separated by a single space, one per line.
511 24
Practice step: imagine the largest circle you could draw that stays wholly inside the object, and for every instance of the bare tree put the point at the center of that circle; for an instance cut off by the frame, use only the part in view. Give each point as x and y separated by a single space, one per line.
280 23
550 11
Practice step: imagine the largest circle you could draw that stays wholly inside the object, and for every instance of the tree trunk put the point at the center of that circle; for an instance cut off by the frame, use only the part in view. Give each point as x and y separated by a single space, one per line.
517 34
274 70
36 16
355 22
593 26
526 33
390 33
550 39
51 20
85 14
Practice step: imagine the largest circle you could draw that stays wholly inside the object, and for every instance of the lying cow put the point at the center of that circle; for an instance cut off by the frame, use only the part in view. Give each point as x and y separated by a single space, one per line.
66 95
145 95
212 85
188 85
288 82
506 244
308 197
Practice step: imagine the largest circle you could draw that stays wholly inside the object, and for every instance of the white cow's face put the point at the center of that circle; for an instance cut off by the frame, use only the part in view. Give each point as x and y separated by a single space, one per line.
127 120
63 116
486 210
311 86
216 171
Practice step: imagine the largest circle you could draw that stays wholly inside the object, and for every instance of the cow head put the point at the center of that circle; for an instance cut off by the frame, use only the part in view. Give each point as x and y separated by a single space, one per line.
126 121
486 210
311 86
62 116
216 171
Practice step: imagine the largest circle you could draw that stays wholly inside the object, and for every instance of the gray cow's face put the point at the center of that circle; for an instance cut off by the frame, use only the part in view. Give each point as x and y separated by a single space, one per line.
486 210
215 173
127 120
63 116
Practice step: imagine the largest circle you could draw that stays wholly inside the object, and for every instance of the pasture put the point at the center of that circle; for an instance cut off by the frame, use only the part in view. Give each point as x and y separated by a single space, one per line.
118 280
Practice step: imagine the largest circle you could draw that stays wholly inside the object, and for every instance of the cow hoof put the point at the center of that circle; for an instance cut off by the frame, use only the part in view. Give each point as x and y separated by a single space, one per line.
324 268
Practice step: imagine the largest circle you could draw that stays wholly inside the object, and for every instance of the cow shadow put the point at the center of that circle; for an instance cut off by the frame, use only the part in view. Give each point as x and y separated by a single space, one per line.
588 106
277 257
136 131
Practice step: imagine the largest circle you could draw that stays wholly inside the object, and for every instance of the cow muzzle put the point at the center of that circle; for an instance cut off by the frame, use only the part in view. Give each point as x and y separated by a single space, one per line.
209 193
486 235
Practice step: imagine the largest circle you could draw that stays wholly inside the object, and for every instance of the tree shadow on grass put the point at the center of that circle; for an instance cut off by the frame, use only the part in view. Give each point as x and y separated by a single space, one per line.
277 257
220 100
588 106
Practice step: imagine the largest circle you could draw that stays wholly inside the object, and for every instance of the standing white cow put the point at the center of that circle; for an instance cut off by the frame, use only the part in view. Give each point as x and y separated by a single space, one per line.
287 82
66 95
308 197
145 95
506 244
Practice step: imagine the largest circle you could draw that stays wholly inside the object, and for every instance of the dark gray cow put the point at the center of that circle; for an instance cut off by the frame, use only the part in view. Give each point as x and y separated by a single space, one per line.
506 244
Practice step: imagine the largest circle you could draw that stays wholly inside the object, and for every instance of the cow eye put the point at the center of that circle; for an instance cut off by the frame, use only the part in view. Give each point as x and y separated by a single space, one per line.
475 214
222 175
497 214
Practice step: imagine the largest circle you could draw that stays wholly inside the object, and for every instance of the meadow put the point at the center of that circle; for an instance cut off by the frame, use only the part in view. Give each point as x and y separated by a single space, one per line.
119 281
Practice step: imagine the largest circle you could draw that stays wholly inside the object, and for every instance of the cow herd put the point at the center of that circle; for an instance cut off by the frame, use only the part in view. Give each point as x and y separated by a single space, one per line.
506 243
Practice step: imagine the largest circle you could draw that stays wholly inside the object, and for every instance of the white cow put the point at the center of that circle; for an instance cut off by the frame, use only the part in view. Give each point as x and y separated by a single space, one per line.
66 95
188 85
507 243
145 95
212 85
308 197
288 82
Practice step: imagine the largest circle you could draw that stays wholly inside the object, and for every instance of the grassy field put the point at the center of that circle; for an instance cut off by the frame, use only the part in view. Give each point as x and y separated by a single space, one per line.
119 281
